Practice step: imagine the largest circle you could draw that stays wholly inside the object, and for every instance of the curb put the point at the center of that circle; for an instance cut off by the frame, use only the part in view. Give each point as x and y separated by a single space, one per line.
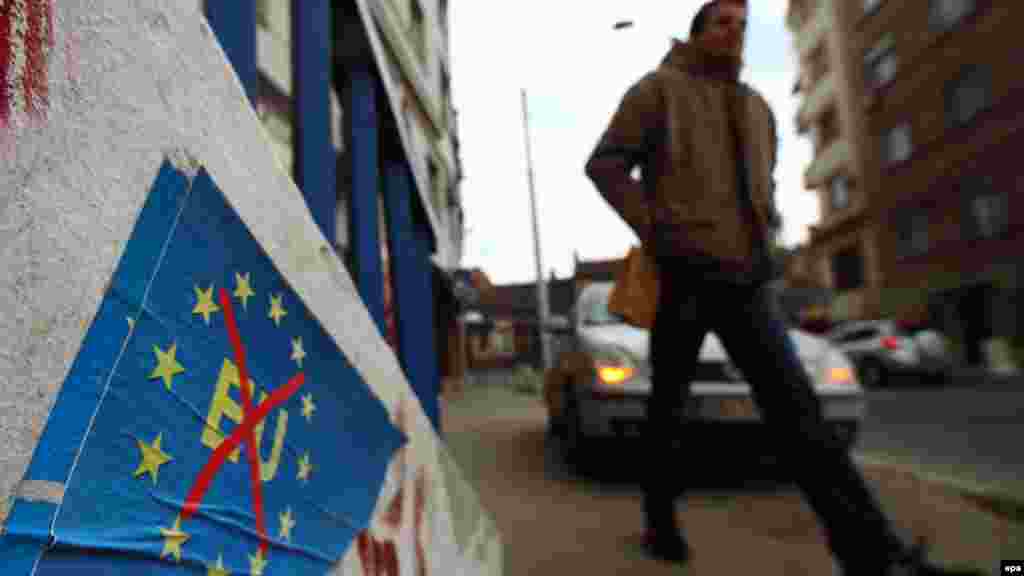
992 499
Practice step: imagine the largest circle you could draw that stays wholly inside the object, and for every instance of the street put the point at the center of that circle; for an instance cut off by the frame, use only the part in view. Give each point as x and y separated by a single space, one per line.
555 522
971 433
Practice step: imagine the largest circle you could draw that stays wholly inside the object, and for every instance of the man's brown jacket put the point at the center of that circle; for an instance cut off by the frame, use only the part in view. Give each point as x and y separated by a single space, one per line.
677 124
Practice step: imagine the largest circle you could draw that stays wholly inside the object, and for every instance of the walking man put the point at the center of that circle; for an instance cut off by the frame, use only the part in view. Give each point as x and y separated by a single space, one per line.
706 146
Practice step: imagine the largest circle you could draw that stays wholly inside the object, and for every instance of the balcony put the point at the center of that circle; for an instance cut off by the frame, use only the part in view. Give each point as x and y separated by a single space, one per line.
827 163
813 31
816 101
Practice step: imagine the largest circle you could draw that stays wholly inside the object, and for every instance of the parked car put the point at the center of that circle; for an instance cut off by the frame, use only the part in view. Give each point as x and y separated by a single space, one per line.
880 350
599 386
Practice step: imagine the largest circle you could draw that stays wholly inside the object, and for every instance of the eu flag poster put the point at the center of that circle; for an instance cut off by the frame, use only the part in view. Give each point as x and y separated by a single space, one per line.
229 434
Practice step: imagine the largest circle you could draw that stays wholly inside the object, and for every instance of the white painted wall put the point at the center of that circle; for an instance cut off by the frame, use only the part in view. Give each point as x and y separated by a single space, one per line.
131 83
418 81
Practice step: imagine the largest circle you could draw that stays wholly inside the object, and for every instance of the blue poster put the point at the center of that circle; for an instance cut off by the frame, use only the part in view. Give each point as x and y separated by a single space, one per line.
209 424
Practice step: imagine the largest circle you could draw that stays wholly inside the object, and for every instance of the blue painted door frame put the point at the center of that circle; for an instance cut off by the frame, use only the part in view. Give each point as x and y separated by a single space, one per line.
311 83
409 241
234 24
362 137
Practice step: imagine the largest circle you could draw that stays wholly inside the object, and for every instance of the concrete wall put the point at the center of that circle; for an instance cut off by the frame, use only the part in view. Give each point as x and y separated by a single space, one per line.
126 86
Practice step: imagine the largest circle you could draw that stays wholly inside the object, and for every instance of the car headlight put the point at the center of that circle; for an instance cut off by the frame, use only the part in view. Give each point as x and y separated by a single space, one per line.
614 366
835 369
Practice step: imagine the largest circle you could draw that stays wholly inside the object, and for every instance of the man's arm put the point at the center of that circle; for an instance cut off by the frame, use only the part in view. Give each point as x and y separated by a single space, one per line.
624 145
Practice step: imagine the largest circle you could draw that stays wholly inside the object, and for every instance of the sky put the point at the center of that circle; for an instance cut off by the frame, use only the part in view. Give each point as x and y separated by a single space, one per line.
575 69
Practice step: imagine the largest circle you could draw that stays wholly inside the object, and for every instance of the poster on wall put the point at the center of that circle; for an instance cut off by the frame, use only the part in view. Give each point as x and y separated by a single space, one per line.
208 423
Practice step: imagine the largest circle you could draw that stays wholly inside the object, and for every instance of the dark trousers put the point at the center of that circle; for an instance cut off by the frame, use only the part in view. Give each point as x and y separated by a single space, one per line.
749 325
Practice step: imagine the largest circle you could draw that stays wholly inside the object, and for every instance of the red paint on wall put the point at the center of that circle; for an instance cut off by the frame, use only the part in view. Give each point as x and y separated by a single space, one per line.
30 83
6 8
38 40
378 557
421 500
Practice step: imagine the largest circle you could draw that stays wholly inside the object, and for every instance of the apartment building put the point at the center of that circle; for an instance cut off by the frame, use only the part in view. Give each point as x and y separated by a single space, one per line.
915 109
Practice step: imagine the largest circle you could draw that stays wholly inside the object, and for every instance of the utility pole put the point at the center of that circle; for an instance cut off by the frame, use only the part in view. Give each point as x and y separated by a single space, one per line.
542 288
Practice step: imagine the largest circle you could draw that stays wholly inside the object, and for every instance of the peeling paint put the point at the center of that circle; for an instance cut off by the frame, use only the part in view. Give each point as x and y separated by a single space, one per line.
41 491
184 161
26 41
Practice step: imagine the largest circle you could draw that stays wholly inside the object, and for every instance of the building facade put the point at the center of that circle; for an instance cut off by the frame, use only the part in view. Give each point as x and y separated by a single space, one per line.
416 42
394 193
915 109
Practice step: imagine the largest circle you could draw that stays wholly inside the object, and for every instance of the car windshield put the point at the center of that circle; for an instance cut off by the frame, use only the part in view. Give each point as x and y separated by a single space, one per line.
594 308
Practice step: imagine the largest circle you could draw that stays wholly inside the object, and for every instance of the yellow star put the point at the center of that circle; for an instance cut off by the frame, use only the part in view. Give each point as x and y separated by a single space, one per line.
257 564
205 304
243 289
305 468
297 352
287 523
173 539
218 569
277 310
308 407
153 457
166 365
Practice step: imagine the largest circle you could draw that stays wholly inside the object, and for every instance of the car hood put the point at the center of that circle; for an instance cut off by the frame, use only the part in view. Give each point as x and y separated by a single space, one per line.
636 342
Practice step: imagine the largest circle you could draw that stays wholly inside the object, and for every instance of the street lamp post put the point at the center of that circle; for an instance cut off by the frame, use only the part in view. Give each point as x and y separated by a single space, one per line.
542 288
543 310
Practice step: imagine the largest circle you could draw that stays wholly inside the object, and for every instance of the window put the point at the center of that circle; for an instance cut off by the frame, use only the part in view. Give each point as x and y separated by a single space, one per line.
944 14
967 94
985 213
839 192
898 144
911 233
503 341
418 29
881 63
818 63
871 5
446 97
848 269
443 6
826 129
437 185
263 13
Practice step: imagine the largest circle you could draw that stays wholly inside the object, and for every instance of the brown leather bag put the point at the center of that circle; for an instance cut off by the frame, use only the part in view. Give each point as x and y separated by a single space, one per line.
634 296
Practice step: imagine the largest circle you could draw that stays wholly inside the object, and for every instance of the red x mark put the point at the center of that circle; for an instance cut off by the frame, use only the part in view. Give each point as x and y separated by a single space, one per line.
244 431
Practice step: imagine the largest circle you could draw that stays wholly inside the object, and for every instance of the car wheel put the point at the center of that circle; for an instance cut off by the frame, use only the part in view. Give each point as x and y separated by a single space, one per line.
575 442
872 374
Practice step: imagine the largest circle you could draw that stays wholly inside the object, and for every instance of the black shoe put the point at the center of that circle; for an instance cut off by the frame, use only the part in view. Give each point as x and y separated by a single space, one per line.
913 563
667 546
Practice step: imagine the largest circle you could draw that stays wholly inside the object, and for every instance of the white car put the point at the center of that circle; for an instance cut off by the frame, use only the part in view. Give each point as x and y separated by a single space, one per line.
599 388
880 349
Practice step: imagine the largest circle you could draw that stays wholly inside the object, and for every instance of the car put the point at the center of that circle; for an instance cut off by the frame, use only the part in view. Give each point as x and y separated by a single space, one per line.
598 388
880 350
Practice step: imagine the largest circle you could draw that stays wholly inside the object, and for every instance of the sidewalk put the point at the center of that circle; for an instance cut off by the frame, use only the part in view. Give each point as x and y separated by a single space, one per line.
555 523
